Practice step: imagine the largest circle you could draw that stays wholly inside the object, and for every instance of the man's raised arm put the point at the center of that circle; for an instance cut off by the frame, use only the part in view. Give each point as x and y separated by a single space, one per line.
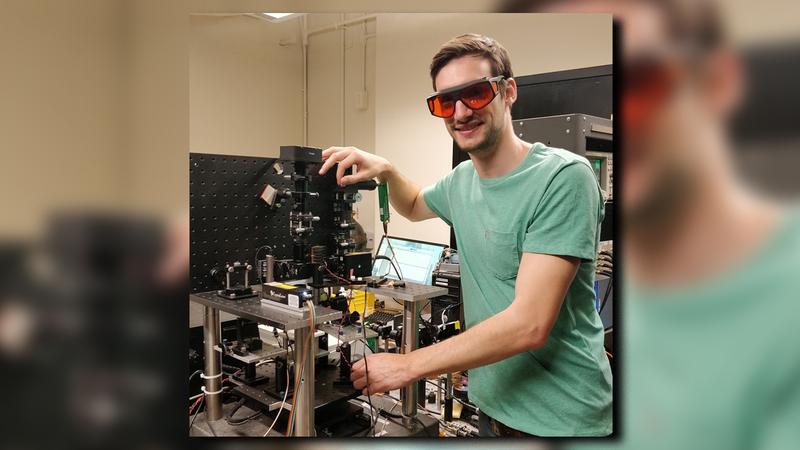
404 195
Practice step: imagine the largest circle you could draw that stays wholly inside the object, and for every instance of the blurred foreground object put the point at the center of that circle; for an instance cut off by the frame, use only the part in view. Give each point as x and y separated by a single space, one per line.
710 308
91 348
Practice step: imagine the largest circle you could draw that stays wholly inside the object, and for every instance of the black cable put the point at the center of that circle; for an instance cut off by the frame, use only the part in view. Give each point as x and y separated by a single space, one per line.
386 413
390 262
236 422
199 407
255 262
392 418
419 314
453 396
366 368
259 249
389 241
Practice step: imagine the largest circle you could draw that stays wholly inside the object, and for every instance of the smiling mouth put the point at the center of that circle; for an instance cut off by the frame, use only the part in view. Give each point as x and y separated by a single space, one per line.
468 128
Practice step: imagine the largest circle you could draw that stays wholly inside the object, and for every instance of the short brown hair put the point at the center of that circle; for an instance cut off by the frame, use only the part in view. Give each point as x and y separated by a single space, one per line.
472 44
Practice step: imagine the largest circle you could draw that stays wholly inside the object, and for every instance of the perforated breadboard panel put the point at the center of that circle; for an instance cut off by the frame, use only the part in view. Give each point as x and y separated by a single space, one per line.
229 220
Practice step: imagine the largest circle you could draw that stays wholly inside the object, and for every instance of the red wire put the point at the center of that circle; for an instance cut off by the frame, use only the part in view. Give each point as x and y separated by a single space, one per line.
337 276
196 402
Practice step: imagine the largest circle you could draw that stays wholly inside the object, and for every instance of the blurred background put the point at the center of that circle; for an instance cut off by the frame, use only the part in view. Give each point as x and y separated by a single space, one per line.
94 132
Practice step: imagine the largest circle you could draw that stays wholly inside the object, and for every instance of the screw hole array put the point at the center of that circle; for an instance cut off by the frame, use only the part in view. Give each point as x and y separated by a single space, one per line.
229 221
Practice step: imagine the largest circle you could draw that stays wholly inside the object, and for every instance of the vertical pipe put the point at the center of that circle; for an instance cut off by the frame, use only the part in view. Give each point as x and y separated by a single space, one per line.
342 54
304 49
408 394
212 373
304 361
448 397
269 269
439 388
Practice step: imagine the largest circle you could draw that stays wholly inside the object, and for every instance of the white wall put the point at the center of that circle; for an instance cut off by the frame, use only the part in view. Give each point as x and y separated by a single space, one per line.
328 104
246 89
236 64
61 112
245 86
416 142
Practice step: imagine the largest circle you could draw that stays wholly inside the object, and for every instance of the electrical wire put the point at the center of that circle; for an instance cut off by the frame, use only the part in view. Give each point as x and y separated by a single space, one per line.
339 330
259 249
445 310
283 402
393 266
196 402
336 276
389 241
452 396
391 415
255 259
202 399
366 367
236 422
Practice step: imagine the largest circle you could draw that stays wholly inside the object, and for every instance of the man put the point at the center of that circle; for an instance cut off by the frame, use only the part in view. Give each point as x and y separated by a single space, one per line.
710 323
526 218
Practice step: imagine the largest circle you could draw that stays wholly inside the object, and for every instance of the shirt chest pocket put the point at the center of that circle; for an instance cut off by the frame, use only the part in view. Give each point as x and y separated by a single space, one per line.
503 253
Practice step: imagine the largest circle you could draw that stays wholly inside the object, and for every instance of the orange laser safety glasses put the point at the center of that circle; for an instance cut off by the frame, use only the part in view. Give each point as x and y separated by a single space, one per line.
475 95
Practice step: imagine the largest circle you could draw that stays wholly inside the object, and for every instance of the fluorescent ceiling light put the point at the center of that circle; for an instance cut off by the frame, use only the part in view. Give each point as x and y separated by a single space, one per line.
277 15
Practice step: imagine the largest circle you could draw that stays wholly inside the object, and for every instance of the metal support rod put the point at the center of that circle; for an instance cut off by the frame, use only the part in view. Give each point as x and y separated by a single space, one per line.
408 394
439 388
212 373
448 397
304 361
269 266
341 24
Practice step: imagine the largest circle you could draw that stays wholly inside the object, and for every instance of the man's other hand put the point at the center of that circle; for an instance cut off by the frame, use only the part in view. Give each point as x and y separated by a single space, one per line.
387 371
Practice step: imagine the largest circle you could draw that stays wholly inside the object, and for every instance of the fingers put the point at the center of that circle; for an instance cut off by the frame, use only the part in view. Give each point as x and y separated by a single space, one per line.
362 175
345 164
331 150
331 158
357 370
360 383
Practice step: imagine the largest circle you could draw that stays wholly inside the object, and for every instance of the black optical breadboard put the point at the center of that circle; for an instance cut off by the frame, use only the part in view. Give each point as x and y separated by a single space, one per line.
229 220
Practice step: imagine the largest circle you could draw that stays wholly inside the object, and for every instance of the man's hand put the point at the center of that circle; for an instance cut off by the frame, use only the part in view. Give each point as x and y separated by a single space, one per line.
369 165
387 371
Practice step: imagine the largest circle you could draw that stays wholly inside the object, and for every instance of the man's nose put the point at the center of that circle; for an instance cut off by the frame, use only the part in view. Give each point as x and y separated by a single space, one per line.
462 112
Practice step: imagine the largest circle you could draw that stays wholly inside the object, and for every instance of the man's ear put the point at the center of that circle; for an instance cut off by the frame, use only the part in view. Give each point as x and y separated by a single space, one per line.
510 91
724 85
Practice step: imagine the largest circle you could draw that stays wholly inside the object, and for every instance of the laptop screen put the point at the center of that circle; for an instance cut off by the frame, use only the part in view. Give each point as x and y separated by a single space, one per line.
416 260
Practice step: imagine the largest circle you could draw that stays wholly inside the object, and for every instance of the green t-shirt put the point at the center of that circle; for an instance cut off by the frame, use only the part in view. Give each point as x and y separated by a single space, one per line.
551 204
715 364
